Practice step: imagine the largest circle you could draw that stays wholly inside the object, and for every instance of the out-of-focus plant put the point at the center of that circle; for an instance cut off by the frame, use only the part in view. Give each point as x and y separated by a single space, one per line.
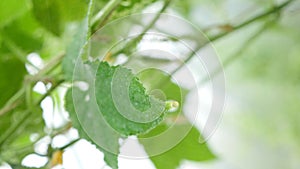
42 40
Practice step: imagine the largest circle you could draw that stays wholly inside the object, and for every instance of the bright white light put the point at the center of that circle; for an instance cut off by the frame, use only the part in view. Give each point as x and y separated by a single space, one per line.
5 166
34 160
63 139
41 146
47 106
121 59
129 145
35 60
83 86
83 155
34 137
40 88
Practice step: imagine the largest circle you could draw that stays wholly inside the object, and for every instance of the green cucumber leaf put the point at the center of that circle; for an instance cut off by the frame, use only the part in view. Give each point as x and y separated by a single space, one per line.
163 87
87 119
76 48
85 115
123 101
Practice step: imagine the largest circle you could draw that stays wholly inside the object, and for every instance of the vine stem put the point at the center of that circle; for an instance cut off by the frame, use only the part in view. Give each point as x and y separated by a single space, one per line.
237 54
233 29
103 14
69 144
15 101
144 31
221 35
27 114
18 52
14 128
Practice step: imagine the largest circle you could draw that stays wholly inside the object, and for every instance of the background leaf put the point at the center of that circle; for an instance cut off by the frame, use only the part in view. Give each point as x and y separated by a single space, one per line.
75 49
189 148
12 71
46 13
53 14
11 9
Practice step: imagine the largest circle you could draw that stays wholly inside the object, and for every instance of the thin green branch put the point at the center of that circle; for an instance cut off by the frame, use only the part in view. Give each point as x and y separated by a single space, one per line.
102 15
19 54
16 100
49 67
69 144
61 130
237 54
28 95
52 135
27 113
14 128
271 11
13 102
55 85
134 41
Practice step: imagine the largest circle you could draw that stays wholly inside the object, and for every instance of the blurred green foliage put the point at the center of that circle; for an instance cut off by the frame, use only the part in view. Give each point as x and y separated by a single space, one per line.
262 80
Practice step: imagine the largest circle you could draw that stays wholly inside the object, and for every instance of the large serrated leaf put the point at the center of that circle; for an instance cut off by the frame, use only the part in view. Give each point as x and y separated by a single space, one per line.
107 138
155 79
99 124
85 115
76 48
87 118
123 102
